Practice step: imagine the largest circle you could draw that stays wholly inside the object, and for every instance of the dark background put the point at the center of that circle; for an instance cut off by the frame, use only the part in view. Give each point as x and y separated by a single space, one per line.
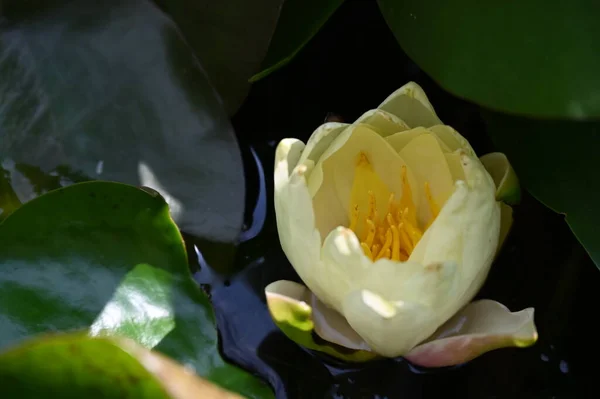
348 68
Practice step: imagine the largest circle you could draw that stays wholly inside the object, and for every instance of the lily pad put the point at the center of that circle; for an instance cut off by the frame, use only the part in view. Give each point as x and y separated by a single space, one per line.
299 21
108 256
230 38
536 59
557 165
84 367
111 91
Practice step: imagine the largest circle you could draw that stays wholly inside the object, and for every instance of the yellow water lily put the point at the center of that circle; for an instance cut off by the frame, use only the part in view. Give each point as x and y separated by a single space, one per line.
393 222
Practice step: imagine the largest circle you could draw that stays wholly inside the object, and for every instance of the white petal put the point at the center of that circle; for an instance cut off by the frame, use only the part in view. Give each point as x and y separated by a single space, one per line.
453 139
333 327
287 154
399 140
389 335
299 238
382 122
299 313
321 139
465 232
410 103
392 292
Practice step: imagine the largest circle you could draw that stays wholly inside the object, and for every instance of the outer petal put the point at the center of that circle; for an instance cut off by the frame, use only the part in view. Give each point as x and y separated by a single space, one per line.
299 238
289 305
410 103
321 139
505 178
465 232
391 305
480 327
452 139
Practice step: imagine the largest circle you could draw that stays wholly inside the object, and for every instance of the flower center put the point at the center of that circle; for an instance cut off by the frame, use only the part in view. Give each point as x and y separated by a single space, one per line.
392 233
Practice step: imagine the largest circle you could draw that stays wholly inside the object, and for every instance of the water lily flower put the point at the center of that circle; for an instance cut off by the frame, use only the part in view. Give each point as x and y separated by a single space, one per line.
392 223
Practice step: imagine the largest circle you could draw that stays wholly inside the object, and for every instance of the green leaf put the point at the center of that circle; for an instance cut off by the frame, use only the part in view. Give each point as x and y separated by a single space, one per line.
557 162
111 91
141 307
76 366
535 58
108 256
230 38
299 21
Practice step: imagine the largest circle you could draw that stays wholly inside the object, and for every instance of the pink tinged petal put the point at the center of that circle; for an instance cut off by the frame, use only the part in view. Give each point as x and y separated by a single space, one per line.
478 328
333 327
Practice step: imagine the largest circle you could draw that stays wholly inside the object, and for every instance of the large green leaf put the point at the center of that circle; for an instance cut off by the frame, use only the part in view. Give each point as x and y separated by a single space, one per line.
299 21
557 162
77 366
110 90
107 256
536 57
230 38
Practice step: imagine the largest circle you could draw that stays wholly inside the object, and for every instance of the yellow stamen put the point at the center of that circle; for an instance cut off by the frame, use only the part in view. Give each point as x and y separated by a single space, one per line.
397 232
375 249
390 219
366 250
391 204
407 200
354 219
371 233
387 244
395 243
384 254
406 242
432 205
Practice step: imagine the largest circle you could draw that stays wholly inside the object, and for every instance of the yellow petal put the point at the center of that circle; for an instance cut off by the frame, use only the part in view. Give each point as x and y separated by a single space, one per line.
428 163
399 140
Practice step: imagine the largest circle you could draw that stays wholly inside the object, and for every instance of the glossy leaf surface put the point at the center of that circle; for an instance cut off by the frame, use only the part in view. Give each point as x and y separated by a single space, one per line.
111 91
108 256
534 58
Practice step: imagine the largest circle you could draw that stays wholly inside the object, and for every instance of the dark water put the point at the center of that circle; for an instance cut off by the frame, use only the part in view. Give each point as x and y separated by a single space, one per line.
343 72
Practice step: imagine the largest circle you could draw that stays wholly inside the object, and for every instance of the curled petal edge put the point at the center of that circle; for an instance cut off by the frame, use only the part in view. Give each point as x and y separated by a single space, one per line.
290 307
480 327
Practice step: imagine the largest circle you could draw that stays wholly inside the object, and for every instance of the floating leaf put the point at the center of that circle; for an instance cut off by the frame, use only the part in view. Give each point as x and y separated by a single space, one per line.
108 255
537 58
230 38
111 91
557 164
299 21
77 366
